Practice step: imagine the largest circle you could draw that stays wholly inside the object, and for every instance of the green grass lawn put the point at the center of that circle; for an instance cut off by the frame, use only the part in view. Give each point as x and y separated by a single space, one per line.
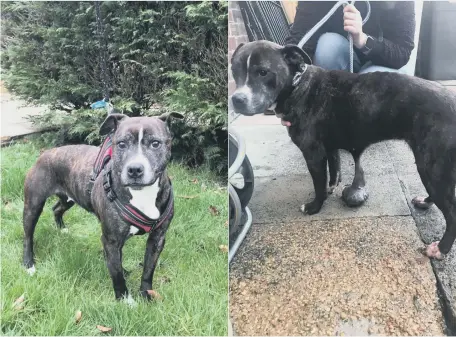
191 277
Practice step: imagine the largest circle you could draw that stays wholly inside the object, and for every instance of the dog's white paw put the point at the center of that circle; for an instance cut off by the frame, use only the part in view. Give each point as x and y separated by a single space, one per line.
65 230
31 271
130 301
432 251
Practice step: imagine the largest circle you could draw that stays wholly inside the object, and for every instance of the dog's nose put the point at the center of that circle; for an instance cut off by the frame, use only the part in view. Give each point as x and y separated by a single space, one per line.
239 99
135 170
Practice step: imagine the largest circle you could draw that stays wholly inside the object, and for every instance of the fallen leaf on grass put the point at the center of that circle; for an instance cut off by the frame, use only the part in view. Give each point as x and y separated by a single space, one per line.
78 316
187 196
226 224
214 210
195 181
223 248
154 294
18 303
103 328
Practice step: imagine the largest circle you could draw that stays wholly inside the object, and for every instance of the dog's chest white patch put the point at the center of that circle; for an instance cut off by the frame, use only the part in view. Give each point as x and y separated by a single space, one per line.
144 200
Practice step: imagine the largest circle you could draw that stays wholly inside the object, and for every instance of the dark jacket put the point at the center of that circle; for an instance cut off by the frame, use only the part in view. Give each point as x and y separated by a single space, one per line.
393 29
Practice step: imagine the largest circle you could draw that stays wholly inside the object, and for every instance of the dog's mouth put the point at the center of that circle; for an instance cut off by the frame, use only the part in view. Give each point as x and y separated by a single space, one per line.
139 185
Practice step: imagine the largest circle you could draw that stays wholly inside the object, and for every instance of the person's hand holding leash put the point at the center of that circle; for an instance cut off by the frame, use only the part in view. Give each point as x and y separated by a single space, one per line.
353 23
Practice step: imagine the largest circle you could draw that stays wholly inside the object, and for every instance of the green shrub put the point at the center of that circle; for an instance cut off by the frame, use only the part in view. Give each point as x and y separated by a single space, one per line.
160 56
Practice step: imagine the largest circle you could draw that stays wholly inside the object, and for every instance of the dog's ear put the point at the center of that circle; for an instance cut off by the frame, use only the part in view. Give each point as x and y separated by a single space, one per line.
236 50
167 117
295 56
110 124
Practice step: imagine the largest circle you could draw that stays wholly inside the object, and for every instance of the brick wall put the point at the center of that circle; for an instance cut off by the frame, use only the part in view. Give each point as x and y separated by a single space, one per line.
236 36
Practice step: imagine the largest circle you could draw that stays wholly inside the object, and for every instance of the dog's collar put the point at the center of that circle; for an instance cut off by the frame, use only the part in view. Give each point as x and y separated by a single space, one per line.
297 77
127 211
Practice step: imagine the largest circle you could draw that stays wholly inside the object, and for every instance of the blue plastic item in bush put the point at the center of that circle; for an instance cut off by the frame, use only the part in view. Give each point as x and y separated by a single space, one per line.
99 105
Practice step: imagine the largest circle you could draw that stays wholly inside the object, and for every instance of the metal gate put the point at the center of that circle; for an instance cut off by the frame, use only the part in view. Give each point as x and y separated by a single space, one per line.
265 20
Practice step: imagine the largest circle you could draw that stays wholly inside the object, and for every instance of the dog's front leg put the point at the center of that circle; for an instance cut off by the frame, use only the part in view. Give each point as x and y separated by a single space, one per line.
155 244
113 254
317 164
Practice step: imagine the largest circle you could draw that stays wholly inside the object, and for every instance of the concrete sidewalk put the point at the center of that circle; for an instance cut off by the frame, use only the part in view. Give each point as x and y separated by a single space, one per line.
353 271
14 114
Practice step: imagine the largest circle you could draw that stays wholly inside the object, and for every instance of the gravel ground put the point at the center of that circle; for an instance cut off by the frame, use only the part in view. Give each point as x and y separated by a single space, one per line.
361 276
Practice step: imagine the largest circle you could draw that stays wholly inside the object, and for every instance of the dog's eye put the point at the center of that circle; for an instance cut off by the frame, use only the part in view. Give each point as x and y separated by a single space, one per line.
155 144
122 145
263 72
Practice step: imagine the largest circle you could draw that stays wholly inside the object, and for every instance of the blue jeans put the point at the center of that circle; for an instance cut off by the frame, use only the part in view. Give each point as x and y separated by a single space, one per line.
333 53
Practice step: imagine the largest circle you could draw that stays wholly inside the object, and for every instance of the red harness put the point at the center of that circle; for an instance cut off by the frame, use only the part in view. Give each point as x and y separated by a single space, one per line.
127 211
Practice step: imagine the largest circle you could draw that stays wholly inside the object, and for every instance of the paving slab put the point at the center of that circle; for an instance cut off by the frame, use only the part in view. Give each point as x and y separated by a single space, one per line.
361 276
14 115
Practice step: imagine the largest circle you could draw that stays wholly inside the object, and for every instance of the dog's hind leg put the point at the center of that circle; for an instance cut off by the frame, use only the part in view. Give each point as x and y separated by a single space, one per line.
31 215
34 200
63 205
335 176
356 194
447 204
441 190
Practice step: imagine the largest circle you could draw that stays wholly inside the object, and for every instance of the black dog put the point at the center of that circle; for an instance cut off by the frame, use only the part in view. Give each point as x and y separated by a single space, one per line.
124 183
331 110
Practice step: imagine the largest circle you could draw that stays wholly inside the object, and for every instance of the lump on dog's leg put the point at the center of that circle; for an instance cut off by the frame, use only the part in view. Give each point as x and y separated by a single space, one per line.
422 203
31 271
354 197
433 251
